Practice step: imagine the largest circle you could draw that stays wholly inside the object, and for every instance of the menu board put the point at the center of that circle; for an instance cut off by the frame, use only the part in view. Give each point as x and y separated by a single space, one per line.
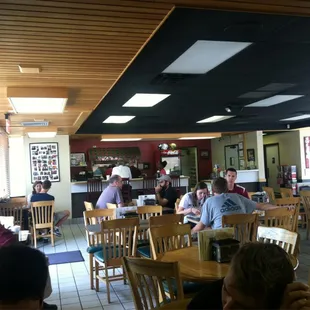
44 162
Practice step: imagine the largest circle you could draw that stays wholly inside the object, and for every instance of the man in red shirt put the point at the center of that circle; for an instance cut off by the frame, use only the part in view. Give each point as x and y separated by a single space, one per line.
231 176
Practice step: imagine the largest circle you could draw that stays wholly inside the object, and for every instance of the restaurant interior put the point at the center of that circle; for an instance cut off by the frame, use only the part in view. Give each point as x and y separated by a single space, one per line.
191 87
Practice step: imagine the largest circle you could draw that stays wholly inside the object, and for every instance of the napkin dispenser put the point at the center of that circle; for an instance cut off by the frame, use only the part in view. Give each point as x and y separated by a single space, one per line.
223 250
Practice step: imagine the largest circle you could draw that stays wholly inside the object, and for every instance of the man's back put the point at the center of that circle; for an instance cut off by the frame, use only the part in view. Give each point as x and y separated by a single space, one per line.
42 197
224 204
111 194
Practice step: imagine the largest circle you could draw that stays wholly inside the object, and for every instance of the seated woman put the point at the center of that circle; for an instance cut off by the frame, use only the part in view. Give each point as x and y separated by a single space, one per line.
260 277
36 188
191 203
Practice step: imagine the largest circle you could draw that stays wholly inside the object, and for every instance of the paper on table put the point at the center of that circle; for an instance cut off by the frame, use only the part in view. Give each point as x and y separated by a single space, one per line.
205 236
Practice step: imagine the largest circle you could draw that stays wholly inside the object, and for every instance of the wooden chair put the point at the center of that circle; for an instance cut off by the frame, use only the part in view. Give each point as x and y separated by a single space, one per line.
270 193
88 206
245 226
13 209
282 237
168 238
305 198
286 192
119 239
111 205
282 217
93 217
94 189
293 202
20 200
42 218
148 280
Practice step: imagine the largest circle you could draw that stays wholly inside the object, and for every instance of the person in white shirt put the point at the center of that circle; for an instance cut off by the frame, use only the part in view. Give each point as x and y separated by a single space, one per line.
122 170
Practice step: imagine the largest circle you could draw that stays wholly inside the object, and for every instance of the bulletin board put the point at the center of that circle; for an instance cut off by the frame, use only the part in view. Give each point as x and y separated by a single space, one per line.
44 162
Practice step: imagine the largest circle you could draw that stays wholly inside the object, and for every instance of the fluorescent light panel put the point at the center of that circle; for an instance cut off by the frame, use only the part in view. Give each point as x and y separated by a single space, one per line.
47 134
125 139
215 118
29 105
204 56
268 102
195 138
145 100
118 119
296 118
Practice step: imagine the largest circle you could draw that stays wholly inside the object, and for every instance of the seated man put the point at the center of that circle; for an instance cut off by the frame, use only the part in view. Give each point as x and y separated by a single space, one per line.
111 194
223 203
59 217
24 273
231 176
166 195
260 277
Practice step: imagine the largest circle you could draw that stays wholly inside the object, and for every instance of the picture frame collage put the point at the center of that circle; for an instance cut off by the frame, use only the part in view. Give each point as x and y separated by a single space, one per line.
44 162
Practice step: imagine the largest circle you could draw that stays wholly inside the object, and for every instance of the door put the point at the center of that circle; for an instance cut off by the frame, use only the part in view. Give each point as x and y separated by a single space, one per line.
232 156
272 161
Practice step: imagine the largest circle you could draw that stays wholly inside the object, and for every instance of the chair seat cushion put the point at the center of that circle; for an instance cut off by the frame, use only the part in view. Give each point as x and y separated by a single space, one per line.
94 248
142 243
188 287
144 251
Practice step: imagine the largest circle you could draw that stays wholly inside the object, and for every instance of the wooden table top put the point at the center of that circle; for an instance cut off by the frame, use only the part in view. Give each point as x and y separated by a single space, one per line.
191 268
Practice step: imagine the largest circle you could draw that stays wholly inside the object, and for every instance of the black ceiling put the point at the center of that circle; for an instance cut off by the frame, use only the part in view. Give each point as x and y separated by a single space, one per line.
280 54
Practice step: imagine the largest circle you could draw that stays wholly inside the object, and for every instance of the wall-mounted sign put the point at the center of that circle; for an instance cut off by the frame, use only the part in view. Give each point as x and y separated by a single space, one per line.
170 152
44 162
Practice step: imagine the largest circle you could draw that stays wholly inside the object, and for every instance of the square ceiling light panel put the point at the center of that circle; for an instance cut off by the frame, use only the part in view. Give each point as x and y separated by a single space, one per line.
118 119
216 118
204 56
38 105
141 100
46 134
268 102
296 118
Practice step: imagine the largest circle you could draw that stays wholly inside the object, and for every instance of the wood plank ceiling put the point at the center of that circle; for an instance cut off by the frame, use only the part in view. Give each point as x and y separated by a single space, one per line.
85 45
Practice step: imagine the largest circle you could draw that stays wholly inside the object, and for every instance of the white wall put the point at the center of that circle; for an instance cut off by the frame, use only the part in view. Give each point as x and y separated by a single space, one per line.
61 190
289 148
17 167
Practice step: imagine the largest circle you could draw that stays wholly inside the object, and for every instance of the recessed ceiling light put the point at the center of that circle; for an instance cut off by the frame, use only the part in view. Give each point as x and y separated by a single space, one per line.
215 118
47 134
204 56
38 105
296 118
195 138
125 139
272 101
145 100
118 119
29 69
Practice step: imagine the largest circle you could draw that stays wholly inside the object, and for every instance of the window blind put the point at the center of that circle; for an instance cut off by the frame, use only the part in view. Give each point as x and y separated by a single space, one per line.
4 165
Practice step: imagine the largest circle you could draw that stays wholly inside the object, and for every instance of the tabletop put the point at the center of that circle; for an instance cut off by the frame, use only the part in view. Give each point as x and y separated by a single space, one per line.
191 268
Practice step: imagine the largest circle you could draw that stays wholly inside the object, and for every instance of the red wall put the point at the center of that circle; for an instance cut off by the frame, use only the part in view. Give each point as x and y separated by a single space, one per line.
148 150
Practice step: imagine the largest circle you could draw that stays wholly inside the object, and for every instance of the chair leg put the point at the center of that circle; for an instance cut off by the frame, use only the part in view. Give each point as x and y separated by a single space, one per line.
52 237
35 237
96 275
108 285
91 271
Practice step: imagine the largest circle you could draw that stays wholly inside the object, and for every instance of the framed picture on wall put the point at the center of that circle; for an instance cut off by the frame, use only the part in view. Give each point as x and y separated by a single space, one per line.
204 154
251 154
240 145
241 153
44 162
77 159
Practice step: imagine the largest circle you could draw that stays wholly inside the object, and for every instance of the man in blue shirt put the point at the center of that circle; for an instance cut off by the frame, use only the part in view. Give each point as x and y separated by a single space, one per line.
224 203
59 217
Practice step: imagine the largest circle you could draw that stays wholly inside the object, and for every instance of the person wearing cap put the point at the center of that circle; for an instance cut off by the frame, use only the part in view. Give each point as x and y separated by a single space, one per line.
166 195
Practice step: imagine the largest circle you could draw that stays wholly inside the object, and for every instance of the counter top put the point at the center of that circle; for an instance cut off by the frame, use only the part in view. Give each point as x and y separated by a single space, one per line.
132 180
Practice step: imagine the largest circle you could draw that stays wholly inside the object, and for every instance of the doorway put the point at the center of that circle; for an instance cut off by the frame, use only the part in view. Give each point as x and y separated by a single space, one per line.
189 164
272 161
231 156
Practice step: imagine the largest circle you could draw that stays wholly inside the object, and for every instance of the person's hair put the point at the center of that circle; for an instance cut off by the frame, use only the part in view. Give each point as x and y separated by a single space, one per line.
262 271
46 184
114 178
220 186
163 164
231 170
198 186
34 185
24 267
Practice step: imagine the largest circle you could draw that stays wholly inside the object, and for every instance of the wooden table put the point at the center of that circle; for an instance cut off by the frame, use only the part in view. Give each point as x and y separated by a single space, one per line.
191 268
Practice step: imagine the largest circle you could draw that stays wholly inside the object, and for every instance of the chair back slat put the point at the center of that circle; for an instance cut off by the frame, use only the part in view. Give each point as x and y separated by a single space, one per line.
148 280
286 192
168 238
245 226
282 237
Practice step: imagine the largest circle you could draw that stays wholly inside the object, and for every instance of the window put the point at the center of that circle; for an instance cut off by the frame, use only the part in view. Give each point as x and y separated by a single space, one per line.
4 165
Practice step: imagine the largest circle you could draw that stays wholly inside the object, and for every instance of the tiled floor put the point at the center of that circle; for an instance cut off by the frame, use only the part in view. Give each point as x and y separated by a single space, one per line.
70 282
